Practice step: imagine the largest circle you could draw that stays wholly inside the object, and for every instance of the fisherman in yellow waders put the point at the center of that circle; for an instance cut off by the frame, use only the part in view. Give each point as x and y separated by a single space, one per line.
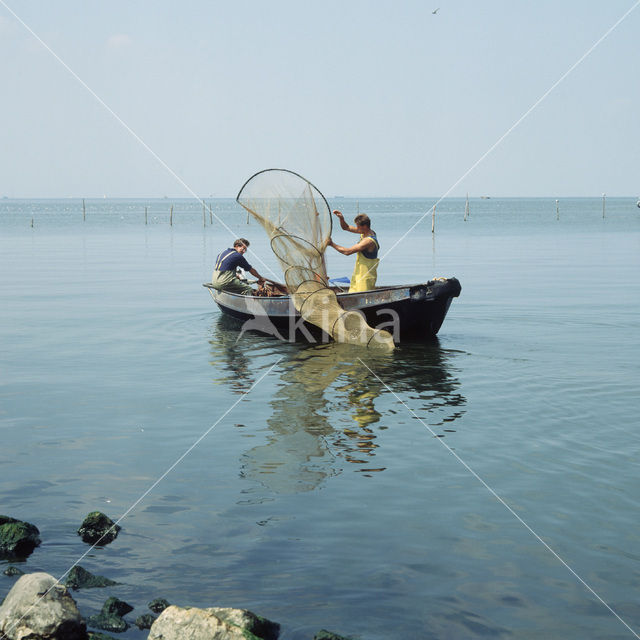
366 269
224 275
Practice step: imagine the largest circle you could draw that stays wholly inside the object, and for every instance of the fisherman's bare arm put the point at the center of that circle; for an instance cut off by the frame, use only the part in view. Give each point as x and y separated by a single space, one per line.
254 273
343 223
363 245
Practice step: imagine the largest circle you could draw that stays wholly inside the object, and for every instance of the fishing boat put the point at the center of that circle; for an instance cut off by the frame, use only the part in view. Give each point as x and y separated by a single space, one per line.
411 311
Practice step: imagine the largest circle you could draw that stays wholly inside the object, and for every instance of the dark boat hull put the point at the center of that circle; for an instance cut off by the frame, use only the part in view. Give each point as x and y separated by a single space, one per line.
407 311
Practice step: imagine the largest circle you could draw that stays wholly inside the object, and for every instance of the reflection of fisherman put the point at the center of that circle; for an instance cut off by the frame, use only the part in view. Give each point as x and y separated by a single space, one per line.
366 269
224 276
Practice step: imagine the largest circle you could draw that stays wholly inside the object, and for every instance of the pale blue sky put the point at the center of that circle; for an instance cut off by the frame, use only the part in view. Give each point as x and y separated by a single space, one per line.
362 98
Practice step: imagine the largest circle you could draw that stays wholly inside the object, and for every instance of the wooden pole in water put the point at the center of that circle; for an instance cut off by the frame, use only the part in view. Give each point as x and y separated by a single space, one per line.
466 208
433 219
32 222
210 214
84 211
557 210
204 215
145 215
604 195
171 216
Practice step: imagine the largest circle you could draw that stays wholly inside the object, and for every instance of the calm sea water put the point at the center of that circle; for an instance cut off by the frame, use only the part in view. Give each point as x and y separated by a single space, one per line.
326 493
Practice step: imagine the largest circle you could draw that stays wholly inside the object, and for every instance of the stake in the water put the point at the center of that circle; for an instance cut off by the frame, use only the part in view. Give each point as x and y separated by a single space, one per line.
84 210
171 217
466 208
145 215
557 210
604 196
433 219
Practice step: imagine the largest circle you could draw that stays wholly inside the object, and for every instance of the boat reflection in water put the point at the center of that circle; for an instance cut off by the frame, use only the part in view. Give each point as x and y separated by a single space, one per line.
328 409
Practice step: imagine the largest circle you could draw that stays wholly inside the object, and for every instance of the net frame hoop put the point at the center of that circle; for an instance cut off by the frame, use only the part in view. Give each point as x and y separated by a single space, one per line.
290 235
358 312
323 288
375 333
298 176
322 281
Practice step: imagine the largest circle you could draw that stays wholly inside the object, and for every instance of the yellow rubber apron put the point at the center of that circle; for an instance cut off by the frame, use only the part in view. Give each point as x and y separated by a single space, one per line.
365 272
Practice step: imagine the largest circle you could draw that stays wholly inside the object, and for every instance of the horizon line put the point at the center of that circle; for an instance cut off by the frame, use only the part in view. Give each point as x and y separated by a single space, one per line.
335 197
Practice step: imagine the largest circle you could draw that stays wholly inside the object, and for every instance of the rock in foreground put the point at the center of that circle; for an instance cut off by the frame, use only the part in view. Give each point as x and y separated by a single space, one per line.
111 616
98 528
145 621
80 578
17 539
28 613
158 605
323 634
216 623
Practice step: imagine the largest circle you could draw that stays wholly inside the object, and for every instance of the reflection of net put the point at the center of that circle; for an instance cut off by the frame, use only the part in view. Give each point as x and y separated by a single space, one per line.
297 219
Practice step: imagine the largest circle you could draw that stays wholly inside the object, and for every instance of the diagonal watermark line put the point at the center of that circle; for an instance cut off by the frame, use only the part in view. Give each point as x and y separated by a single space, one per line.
123 123
497 497
516 123
144 495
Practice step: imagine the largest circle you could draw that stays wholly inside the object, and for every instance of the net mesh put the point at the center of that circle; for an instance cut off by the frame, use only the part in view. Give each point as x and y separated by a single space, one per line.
297 219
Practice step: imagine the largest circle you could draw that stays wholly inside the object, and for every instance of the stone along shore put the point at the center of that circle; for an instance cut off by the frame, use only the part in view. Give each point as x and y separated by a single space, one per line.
38 607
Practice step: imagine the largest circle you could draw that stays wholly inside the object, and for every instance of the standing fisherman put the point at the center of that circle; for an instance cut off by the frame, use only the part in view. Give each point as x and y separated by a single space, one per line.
366 270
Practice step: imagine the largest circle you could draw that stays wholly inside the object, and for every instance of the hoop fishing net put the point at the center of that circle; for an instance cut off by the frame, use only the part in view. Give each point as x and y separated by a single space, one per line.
297 219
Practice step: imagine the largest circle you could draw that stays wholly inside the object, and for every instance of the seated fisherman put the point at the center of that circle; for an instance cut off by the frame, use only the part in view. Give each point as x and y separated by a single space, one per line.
366 270
224 276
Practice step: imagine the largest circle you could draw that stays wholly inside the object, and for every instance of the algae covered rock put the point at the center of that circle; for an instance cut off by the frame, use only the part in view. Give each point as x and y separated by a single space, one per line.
98 528
110 618
80 578
323 634
116 607
158 605
17 539
178 623
257 625
37 607
145 621
12 571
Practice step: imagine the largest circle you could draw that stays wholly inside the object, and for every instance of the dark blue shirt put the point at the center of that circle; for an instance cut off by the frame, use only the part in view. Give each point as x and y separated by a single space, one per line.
372 254
229 259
